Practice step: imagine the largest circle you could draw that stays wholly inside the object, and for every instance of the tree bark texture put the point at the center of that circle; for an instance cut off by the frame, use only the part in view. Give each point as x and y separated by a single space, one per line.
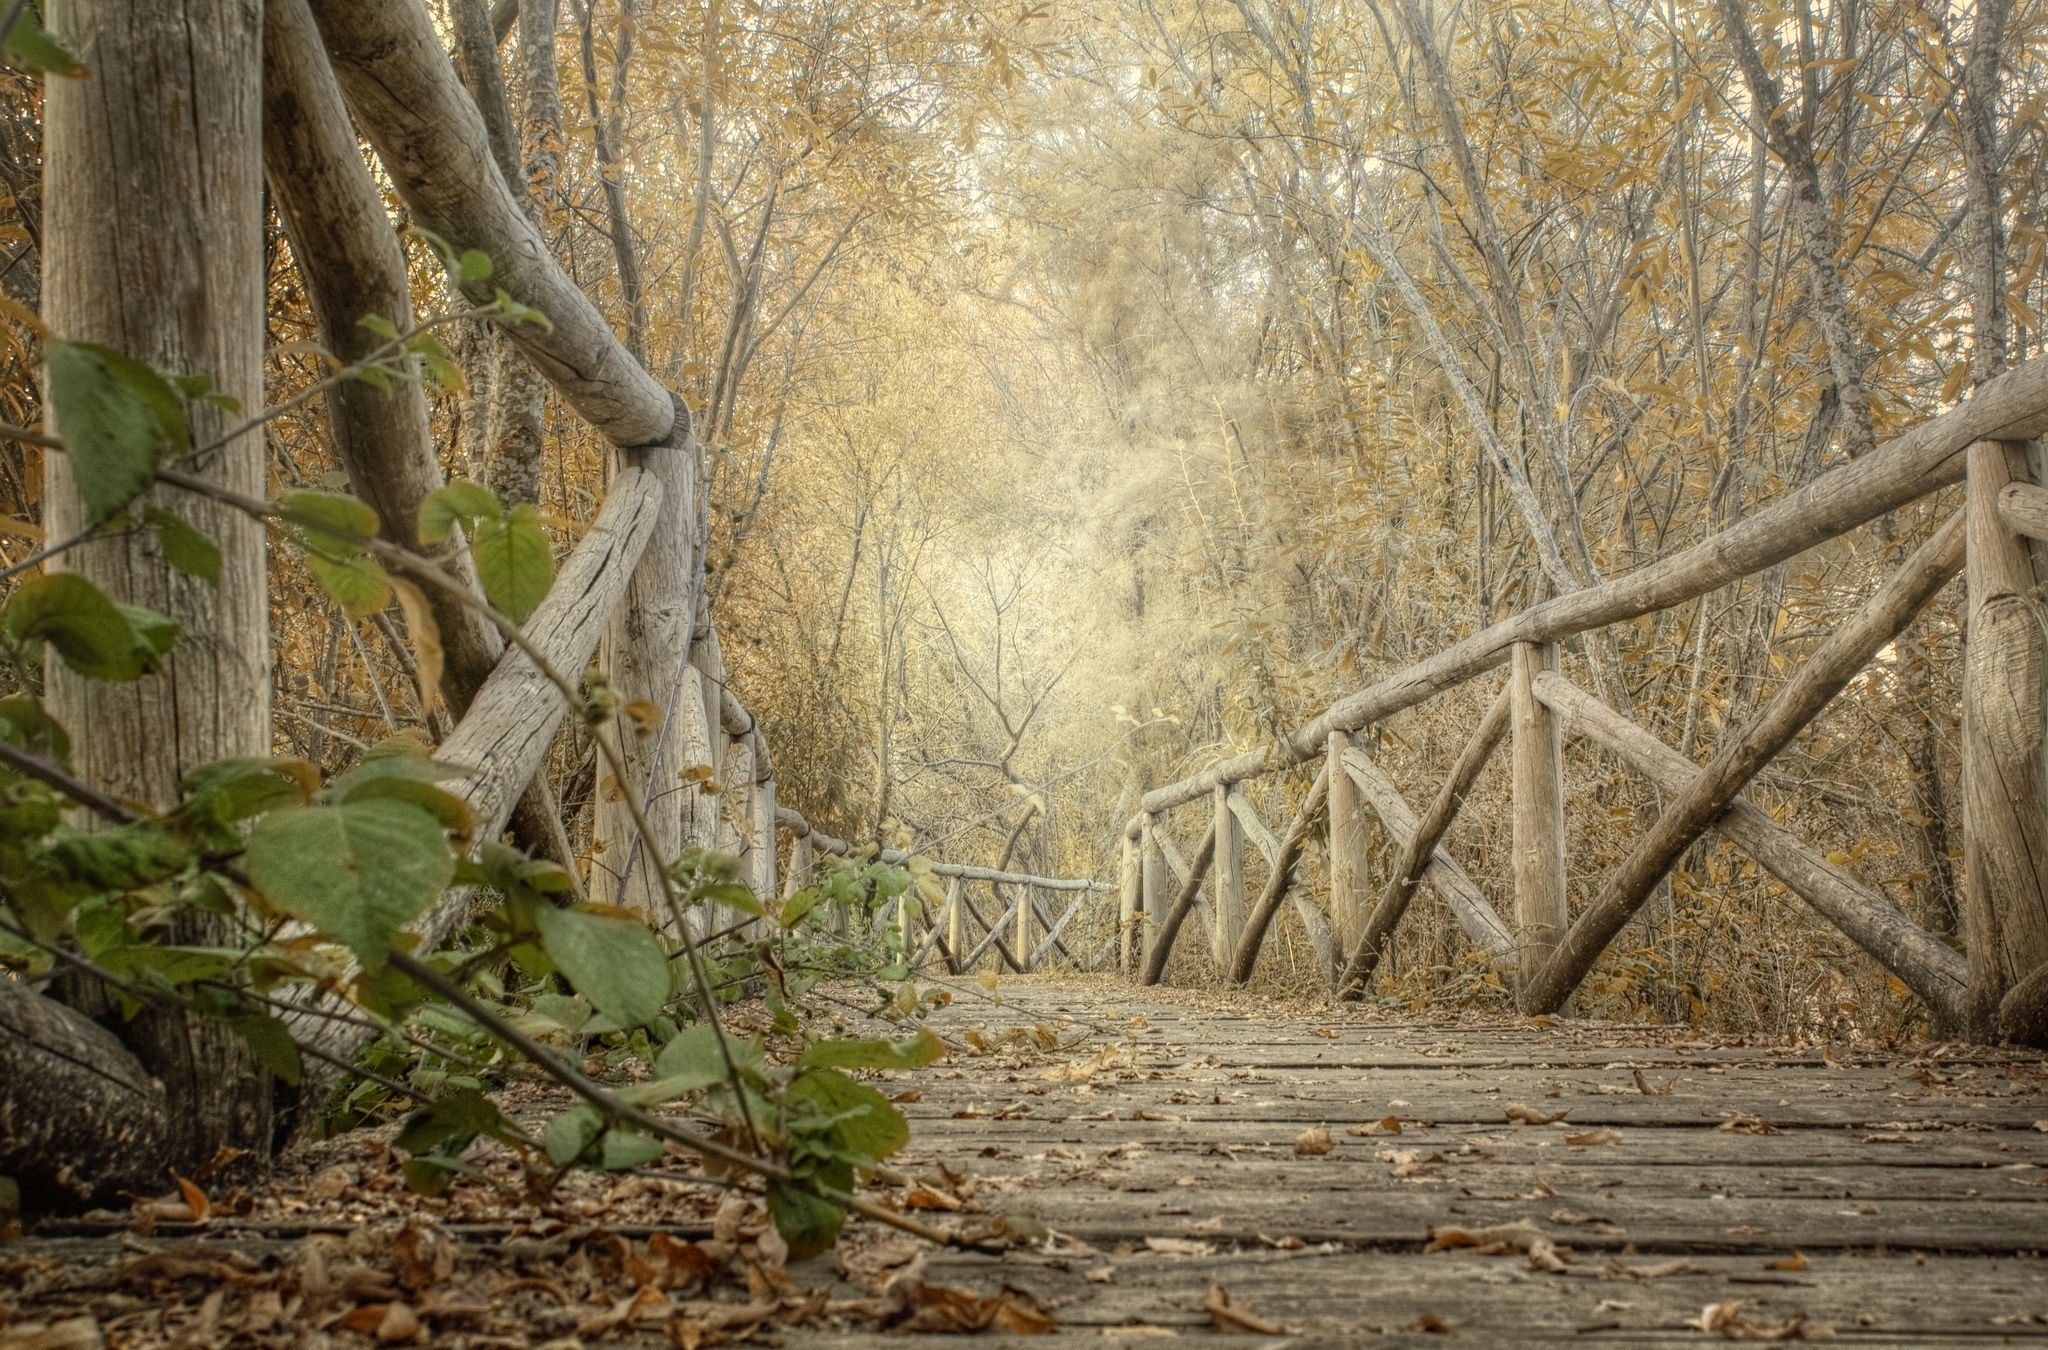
154 231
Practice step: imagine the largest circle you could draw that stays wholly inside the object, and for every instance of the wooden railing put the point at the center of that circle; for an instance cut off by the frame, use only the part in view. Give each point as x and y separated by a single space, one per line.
337 67
1541 942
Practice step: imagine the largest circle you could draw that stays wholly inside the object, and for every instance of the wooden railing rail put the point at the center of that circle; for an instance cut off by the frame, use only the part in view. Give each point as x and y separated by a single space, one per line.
2002 988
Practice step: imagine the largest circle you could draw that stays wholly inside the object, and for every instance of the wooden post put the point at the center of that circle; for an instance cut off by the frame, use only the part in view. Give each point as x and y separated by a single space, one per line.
1348 898
907 906
2005 789
1129 897
799 865
1156 882
956 927
1023 939
761 819
1228 896
1540 906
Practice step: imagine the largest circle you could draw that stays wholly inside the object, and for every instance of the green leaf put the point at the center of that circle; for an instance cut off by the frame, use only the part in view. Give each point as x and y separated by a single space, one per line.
430 1176
330 523
117 416
473 265
229 790
568 1134
185 548
514 562
30 47
26 725
863 1120
359 872
630 1148
691 1061
797 906
358 584
155 634
460 1116
96 637
565 1012
123 858
379 326
914 1053
617 964
272 1043
808 1224
516 313
410 779
459 503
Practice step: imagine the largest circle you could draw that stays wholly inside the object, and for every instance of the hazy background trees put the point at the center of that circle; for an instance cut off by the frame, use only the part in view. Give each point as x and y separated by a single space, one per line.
1089 394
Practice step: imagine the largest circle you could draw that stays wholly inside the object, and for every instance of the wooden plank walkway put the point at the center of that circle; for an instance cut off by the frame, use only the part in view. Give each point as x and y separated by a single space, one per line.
1894 1199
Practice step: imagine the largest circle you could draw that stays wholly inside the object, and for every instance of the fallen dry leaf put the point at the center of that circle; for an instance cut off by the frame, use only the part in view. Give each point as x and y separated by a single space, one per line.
76 1333
1313 1142
1529 1115
1617 1269
1796 1261
1606 1134
1171 1246
1662 1089
1230 1316
1726 1321
1430 1322
1742 1122
1500 1238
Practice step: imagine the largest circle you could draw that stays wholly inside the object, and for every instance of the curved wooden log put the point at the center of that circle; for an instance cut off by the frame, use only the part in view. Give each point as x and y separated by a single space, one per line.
411 105
351 263
1420 850
1812 687
1926 965
1177 912
2014 406
81 1121
501 741
1261 916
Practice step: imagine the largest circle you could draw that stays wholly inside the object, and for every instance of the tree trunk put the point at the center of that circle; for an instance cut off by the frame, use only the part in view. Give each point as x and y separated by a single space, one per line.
154 225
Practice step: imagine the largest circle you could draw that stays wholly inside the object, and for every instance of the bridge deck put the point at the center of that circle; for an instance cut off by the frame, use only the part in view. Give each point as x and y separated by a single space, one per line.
1896 1198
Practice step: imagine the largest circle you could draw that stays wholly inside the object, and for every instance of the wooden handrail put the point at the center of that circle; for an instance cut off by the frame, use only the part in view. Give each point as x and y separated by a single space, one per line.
1420 850
412 107
1928 967
1802 698
1916 462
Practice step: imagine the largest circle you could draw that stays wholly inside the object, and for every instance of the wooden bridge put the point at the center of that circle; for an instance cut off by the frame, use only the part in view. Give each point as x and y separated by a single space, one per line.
1729 1154
1175 1160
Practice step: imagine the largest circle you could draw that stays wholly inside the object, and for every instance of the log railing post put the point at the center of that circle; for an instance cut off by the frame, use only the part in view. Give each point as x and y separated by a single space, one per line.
1228 894
1152 912
1540 905
1129 897
761 860
1021 936
1348 897
2005 782
799 865
956 927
